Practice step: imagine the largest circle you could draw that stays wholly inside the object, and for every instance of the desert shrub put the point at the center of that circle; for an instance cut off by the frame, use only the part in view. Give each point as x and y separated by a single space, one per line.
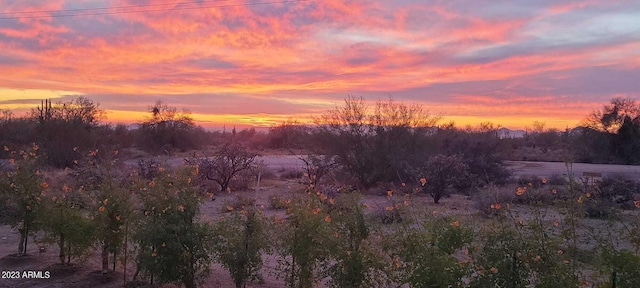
316 167
65 222
481 149
557 180
240 242
356 261
537 192
599 208
425 257
110 206
173 247
242 181
22 189
439 174
287 135
332 191
531 181
302 242
277 202
392 210
111 212
617 189
623 266
239 202
527 251
492 199
148 168
500 263
391 213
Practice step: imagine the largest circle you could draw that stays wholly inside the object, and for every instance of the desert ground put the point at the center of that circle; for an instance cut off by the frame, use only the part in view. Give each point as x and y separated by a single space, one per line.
85 273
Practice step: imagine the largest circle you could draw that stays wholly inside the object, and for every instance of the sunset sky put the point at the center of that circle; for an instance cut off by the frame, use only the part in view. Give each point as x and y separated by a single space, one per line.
260 62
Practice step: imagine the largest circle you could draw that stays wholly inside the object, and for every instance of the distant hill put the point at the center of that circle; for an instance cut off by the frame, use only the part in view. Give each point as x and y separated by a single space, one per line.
508 133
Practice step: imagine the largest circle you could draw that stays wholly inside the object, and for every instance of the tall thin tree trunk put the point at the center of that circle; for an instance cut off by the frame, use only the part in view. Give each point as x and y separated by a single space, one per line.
21 244
61 255
105 259
126 234
26 237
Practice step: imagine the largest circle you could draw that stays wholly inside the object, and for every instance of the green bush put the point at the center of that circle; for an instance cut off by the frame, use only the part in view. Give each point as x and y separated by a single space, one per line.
65 223
624 264
356 262
22 189
501 261
173 246
240 242
425 257
303 242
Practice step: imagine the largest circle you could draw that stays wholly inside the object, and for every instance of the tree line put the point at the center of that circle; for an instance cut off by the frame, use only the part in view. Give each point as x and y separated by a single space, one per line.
387 141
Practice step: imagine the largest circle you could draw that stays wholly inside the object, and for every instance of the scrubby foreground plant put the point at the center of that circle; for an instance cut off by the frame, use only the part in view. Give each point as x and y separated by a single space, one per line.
65 222
174 247
303 242
356 262
22 190
240 242
427 256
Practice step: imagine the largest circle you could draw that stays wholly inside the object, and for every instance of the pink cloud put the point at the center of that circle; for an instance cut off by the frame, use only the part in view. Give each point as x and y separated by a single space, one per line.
322 50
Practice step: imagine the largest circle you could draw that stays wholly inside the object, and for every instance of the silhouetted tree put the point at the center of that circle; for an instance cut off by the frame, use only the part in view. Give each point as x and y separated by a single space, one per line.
168 129
64 129
15 132
620 122
612 116
288 135
373 144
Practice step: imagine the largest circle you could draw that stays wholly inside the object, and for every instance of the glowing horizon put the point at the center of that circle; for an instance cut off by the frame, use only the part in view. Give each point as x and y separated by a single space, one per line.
248 64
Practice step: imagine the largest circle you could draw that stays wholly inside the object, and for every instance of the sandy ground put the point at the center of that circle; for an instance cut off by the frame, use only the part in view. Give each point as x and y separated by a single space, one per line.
541 169
547 169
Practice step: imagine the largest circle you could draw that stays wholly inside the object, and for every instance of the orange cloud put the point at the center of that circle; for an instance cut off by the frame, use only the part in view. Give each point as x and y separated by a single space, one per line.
496 61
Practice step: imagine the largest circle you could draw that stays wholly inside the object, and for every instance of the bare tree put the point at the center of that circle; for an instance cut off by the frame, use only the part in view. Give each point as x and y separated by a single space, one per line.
229 160
317 166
